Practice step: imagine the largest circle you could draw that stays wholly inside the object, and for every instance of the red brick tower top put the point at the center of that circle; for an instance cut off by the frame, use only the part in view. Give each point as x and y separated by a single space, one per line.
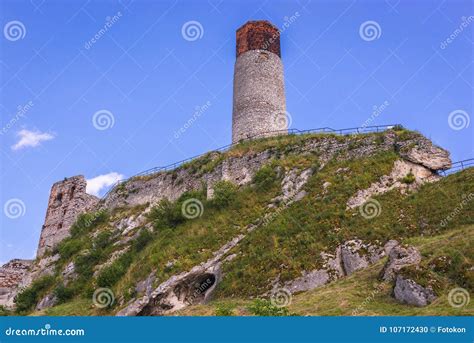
258 35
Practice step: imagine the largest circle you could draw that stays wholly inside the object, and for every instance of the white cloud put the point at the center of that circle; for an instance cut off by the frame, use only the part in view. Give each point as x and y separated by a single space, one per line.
96 184
31 138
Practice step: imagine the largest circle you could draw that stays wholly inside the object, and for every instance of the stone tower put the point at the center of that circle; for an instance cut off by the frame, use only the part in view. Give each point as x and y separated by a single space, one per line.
68 198
259 105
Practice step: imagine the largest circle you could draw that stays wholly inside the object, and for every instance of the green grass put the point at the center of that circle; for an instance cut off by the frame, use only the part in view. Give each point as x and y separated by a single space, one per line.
293 241
289 244
363 293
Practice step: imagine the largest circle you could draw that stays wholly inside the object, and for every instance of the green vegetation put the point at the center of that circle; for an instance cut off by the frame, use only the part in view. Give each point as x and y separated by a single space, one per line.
263 307
264 178
289 243
27 299
169 214
226 309
408 179
224 194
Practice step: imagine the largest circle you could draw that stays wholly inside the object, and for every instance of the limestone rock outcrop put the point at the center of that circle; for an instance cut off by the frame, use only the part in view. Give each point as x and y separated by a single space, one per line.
398 258
409 292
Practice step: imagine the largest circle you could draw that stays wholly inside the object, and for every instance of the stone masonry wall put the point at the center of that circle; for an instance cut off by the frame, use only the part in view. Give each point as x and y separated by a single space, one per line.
259 104
68 198
11 274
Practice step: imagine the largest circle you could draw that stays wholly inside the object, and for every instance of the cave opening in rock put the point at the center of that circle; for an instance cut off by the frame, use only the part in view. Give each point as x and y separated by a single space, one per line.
194 291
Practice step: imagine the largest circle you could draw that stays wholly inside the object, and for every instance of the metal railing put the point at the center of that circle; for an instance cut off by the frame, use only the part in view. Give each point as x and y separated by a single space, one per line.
324 130
458 166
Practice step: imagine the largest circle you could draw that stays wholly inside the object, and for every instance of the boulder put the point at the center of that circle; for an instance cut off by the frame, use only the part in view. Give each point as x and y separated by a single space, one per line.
398 258
356 255
409 292
425 153
331 270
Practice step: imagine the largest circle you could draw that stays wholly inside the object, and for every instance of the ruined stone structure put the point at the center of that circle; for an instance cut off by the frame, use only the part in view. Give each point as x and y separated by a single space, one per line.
259 105
11 274
68 198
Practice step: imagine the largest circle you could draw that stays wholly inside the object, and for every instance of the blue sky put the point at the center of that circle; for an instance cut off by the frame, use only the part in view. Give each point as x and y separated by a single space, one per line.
142 79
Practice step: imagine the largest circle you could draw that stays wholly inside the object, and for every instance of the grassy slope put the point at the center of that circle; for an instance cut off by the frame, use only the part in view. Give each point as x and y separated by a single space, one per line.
362 293
293 241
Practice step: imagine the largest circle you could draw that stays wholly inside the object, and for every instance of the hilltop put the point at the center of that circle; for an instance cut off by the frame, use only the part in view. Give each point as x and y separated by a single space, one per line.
314 222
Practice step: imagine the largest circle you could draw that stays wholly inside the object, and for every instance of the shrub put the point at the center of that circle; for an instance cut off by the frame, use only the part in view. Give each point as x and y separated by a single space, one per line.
63 293
84 263
262 307
102 240
264 178
224 194
28 298
224 310
144 237
169 215
409 178
166 215
110 275
69 247
4 311
87 221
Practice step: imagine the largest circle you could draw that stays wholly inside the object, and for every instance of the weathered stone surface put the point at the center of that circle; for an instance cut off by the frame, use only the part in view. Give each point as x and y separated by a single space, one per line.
181 290
69 273
241 169
356 255
11 274
331 270
259 106
425 153
398 258
394 180
409 292
390 245
48 301
292 185
68 198
146 286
